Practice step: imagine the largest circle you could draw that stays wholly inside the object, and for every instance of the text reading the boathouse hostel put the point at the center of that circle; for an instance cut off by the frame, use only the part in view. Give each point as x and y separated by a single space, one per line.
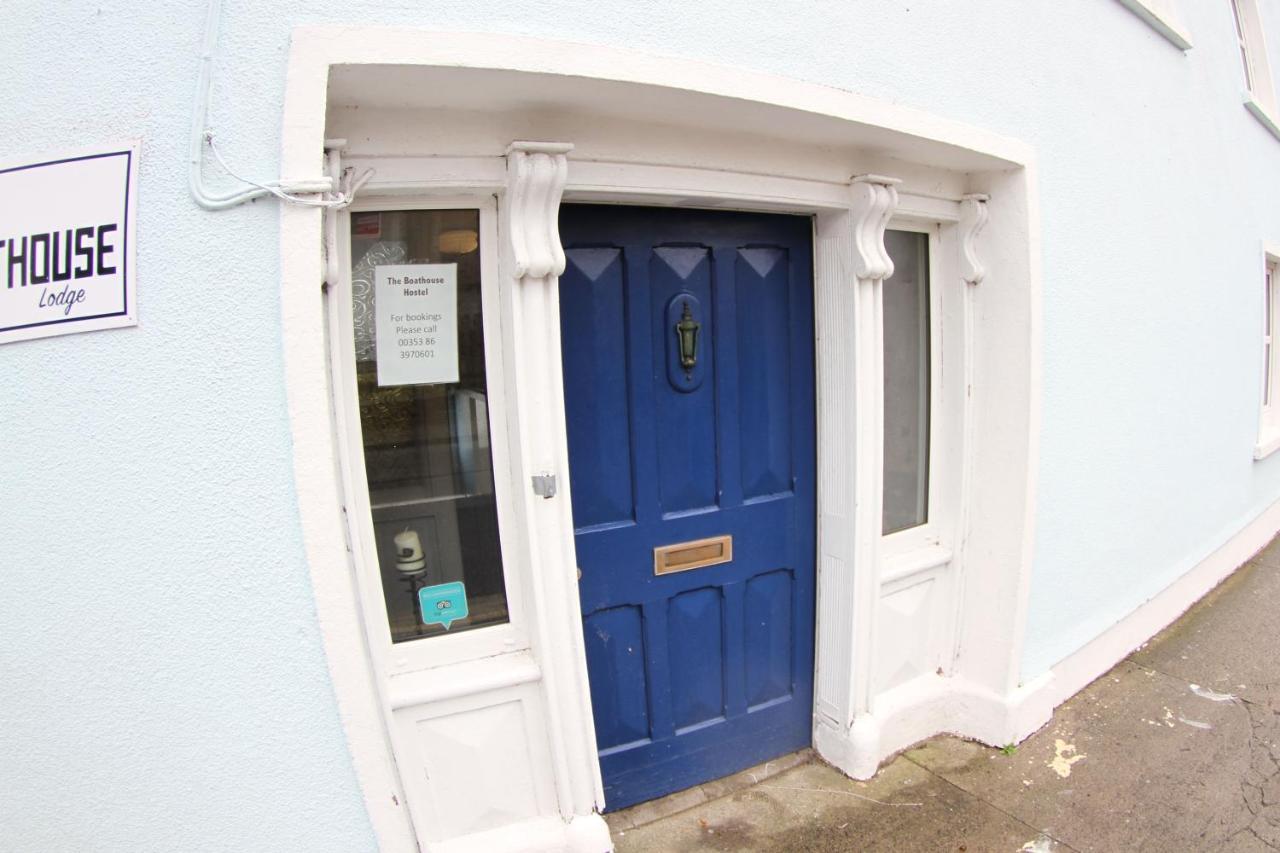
66 243
416 310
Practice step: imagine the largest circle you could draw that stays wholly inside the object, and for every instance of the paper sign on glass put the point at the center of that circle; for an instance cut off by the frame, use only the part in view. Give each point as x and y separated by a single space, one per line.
416 309
443 604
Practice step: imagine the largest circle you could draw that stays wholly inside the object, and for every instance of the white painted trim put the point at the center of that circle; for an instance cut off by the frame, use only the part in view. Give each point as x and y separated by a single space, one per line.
911 563
993 432
973 218
1082 667
838 584
1268 443
872 202
1263 114
1269 410
462 679
924 707
324 530
1260 87
1000 525
511 636
532 261
315 48
435 668
922 544
625 182
982 697
1160 16
583 834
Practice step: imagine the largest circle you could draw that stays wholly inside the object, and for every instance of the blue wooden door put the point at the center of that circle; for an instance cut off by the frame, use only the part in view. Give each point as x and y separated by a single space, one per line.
695 673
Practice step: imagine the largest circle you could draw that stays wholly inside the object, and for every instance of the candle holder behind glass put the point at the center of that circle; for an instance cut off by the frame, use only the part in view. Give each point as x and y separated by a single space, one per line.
411 563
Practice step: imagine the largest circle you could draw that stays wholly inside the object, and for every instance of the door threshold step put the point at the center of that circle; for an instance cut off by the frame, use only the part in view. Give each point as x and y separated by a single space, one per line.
647 812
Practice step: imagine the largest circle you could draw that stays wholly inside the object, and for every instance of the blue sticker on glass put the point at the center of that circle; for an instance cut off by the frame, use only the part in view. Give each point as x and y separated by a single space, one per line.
443 604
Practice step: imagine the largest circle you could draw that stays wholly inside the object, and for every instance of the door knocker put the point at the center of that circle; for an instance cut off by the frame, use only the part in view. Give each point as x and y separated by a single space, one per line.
687 333
683 315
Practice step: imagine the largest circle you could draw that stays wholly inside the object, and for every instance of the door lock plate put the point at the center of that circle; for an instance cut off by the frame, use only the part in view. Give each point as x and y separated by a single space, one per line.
544 485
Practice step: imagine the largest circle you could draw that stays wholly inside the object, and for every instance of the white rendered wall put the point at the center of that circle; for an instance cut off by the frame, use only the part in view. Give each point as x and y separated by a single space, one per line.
164 685
162 681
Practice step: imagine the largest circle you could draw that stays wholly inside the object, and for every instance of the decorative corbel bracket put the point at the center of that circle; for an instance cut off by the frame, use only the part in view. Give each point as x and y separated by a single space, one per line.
973 216
874 200
536 173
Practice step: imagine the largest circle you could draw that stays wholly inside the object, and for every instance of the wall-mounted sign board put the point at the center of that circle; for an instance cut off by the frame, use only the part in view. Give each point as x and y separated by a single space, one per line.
67 242
416 323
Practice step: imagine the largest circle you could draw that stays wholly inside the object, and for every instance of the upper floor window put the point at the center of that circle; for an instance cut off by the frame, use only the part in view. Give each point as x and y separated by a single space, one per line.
1260 93
1269 429
1245 56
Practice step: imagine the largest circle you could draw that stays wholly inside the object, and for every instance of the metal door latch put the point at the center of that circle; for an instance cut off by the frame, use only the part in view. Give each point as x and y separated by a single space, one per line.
544 485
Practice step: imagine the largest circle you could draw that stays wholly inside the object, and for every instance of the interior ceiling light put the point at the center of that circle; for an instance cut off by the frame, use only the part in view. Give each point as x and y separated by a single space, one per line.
458 242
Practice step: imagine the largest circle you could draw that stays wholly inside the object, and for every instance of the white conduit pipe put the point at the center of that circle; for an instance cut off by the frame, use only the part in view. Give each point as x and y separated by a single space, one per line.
348 185
326 186
204 85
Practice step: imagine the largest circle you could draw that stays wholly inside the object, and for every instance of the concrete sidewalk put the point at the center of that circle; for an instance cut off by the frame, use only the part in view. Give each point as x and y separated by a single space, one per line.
1175 749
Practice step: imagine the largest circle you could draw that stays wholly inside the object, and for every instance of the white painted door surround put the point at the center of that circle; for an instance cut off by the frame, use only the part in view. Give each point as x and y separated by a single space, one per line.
489 744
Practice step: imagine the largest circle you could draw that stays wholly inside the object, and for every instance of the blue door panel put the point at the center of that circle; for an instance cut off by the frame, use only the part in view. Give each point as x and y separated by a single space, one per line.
764 366
686 421
727 354
767 637
592 301
696 657
700 673
703 754
615 645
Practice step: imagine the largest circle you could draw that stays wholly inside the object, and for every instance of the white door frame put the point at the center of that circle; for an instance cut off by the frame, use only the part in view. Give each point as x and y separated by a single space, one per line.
985 558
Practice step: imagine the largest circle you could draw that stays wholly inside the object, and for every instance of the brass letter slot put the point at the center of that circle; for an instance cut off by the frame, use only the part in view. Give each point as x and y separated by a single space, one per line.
683 556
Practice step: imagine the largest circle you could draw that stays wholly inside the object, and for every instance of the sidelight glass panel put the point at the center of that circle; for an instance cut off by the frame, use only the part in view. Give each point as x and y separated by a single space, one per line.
906 382
424 418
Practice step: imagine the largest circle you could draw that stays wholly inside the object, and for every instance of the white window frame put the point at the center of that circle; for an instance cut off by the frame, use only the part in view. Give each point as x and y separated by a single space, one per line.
439 650
930 553
983 699
1259 88
930 542
1269 421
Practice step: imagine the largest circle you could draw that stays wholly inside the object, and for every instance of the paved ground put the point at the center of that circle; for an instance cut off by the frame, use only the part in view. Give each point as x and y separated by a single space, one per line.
1176 749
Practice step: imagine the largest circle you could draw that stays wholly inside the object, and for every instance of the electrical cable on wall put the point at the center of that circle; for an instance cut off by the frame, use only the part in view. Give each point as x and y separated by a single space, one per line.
331 191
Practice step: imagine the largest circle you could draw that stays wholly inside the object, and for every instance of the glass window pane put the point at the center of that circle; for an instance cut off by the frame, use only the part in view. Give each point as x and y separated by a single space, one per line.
1266 374
1244 45
1267 318
425 419
1267 337
906 382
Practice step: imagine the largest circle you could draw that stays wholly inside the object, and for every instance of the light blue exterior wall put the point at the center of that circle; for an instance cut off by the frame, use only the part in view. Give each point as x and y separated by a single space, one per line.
162 680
